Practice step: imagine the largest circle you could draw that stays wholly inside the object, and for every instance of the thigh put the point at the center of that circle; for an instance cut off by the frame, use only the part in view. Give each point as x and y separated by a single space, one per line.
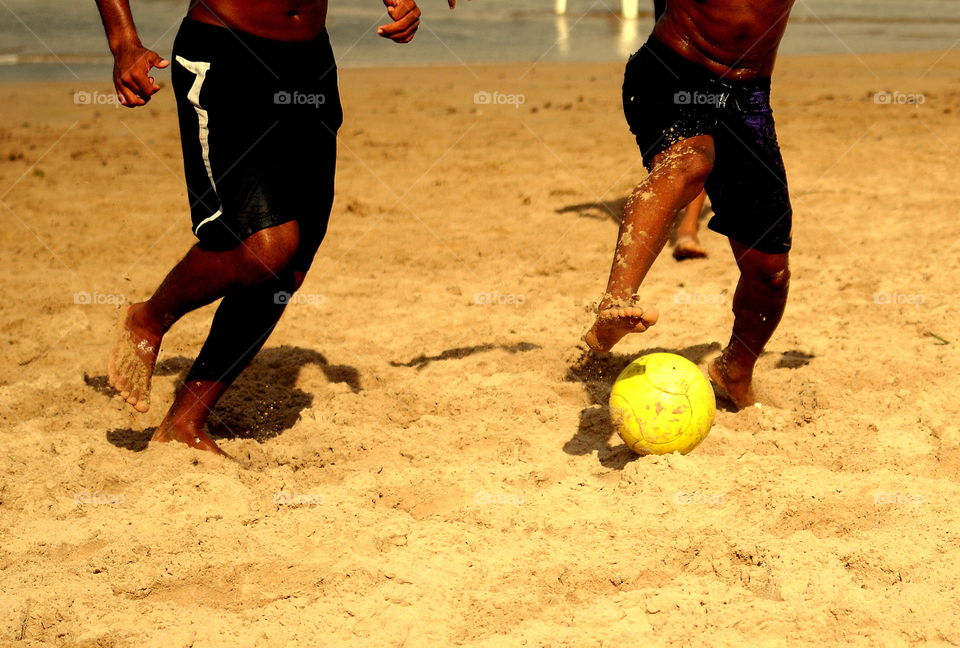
659 102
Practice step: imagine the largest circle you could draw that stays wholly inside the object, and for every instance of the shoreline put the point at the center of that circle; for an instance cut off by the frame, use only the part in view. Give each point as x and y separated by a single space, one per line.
106 65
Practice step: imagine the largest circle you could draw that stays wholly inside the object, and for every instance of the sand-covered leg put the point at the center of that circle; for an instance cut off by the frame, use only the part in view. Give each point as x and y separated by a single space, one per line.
677 178
133 357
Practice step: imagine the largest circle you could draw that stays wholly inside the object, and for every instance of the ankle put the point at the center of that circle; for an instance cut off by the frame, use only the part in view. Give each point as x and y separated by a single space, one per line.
143 316
737 365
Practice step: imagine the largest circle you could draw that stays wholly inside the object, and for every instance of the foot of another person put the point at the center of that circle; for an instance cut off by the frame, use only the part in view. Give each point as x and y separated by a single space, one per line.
735 382
193 435
688 247
614 322
133 357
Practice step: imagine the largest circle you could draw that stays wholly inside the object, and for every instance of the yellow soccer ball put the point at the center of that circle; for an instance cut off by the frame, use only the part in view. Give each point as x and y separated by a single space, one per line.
662 403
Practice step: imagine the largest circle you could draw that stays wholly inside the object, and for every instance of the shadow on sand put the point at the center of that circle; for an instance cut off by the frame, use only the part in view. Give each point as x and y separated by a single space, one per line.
262 404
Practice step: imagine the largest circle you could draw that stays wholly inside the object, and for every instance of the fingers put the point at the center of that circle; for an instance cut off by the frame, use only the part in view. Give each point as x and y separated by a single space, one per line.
128 93
406 21
132 77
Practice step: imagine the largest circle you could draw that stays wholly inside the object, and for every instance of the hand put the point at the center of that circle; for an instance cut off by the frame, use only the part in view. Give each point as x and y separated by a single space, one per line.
131 74
406 20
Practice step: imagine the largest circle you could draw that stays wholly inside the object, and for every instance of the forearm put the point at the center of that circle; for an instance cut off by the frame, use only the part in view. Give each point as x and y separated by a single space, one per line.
118 23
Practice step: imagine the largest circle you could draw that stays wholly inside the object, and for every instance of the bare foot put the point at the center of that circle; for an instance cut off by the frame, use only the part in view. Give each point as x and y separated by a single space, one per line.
134 354
193 436
688 247
614 322
736 384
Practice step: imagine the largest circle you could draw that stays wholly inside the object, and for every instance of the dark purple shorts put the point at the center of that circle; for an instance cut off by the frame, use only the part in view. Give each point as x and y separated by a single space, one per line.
667 98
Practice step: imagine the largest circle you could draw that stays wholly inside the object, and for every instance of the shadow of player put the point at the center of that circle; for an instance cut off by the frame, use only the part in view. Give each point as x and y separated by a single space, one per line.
262 403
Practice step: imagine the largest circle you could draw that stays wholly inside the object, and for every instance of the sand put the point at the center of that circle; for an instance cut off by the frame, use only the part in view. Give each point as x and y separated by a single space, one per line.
419 463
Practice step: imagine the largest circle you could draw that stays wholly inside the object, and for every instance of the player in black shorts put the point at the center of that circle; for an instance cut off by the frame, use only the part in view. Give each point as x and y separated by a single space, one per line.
697 98
259 109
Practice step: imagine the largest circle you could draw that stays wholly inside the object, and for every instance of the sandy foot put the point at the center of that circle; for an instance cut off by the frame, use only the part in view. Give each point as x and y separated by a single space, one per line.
615 322
739 390
131 362
688 247
189 434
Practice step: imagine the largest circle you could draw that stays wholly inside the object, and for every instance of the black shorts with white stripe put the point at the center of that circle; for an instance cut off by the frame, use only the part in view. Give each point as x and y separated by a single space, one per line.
258 125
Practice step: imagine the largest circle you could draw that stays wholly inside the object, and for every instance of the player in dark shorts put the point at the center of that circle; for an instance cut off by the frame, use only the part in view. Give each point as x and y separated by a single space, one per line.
259 109
697 98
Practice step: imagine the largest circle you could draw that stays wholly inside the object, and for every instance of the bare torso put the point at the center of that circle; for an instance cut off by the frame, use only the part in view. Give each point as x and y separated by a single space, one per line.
737 39
285 20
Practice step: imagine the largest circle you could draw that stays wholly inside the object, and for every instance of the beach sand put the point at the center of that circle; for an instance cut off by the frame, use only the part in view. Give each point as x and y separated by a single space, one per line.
419 462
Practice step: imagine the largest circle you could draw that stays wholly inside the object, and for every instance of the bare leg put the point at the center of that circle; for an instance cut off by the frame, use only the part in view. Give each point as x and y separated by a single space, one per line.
688 240
677 177
758 307
242 324
200 278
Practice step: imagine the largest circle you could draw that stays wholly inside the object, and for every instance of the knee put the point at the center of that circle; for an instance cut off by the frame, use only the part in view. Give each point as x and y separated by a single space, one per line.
265 254
775 277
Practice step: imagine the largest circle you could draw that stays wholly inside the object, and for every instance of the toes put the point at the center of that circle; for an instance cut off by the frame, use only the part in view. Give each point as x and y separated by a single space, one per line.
141 406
